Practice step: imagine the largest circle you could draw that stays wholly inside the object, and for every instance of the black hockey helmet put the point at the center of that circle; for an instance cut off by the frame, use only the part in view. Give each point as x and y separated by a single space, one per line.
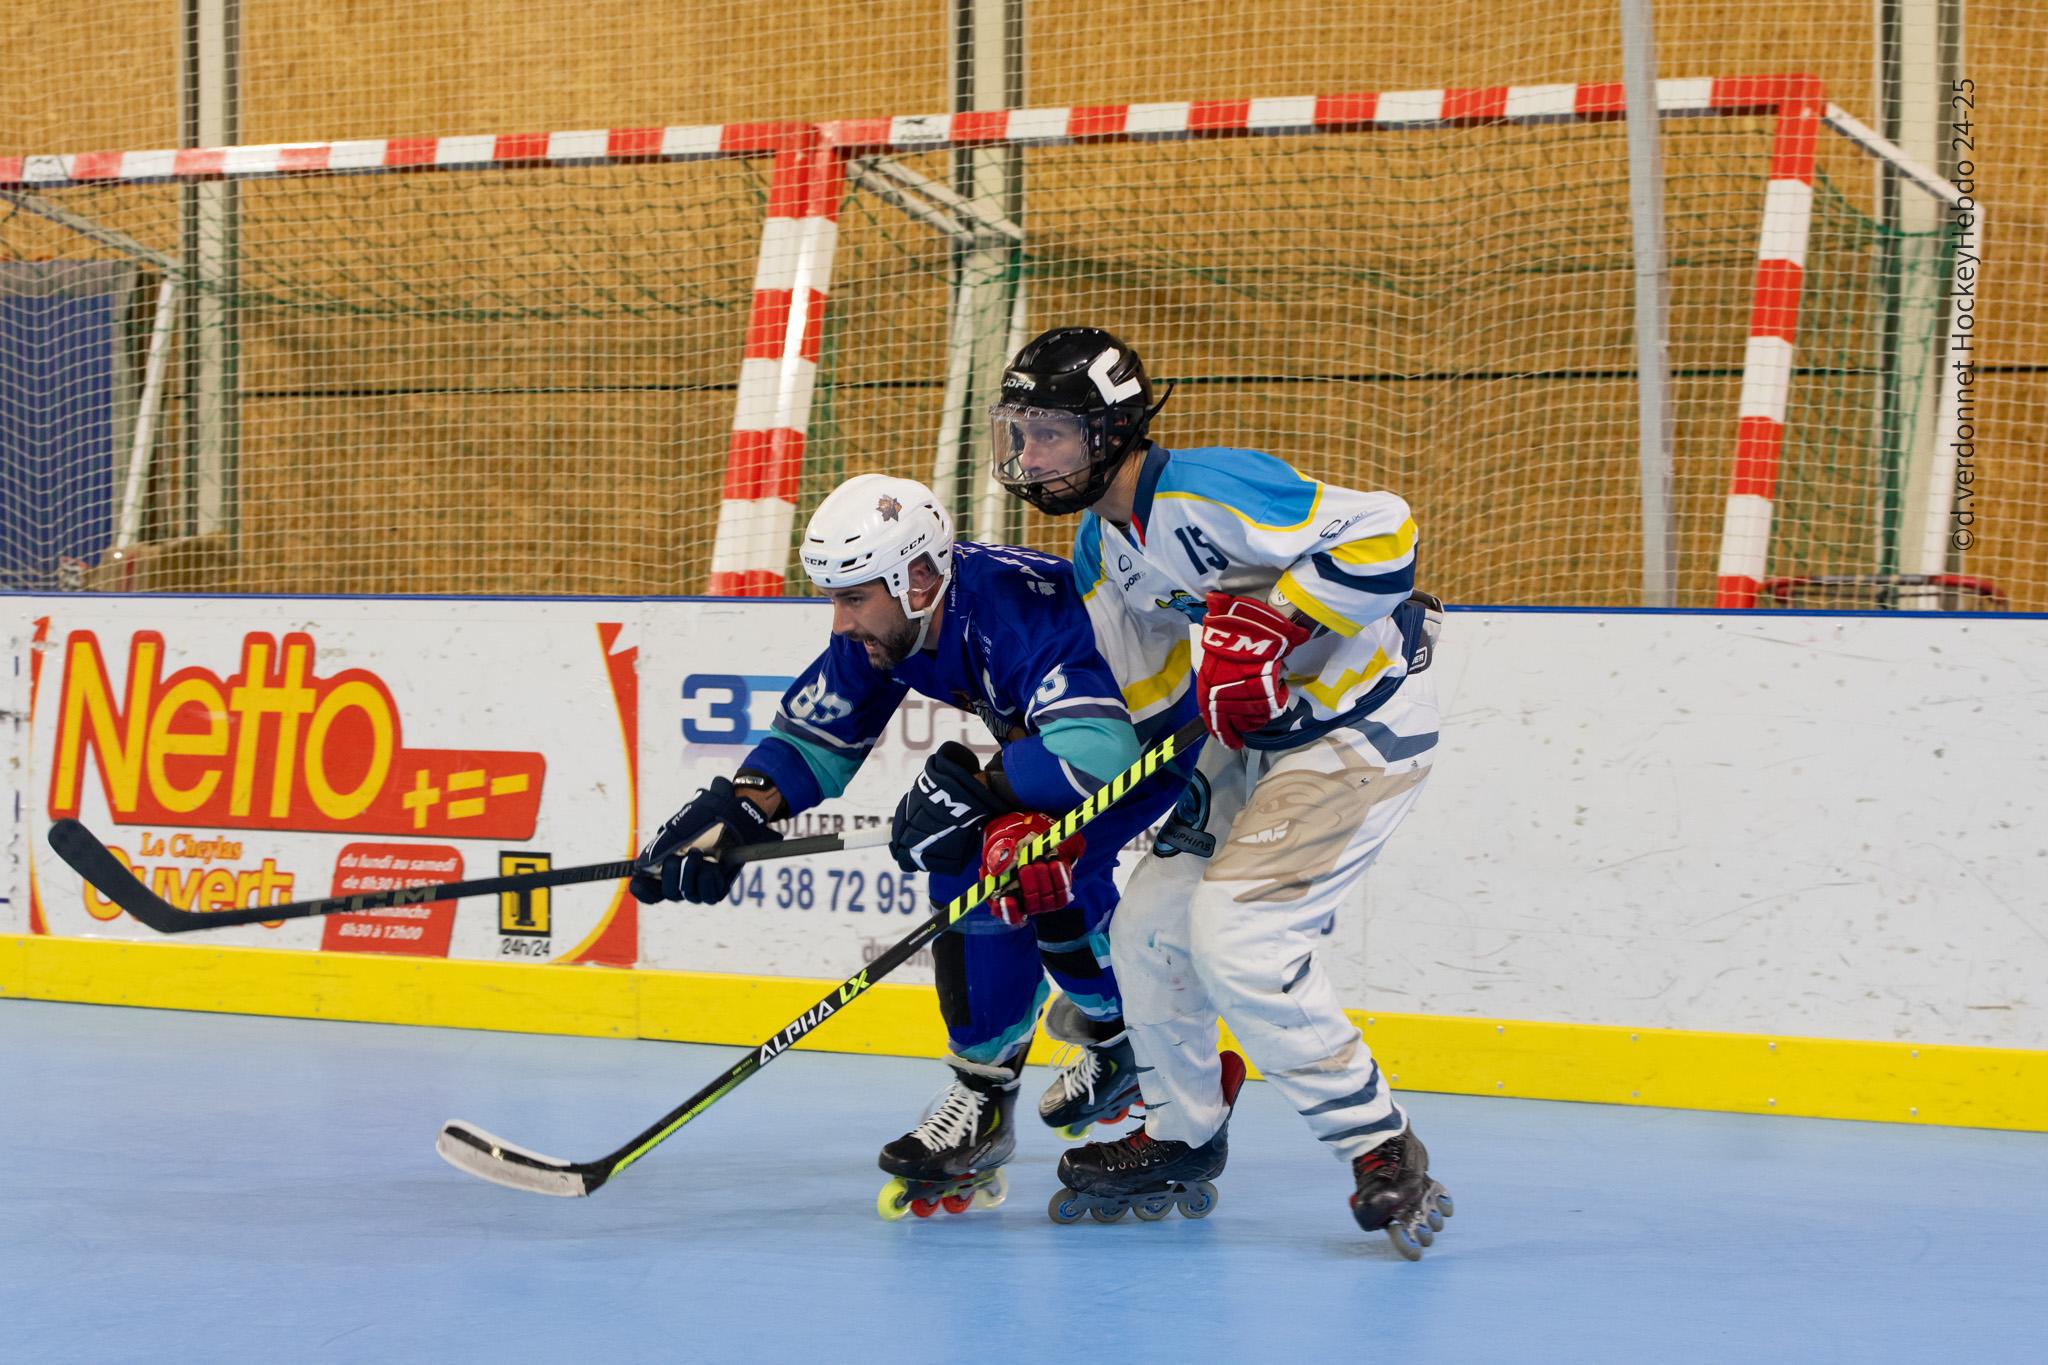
1076 401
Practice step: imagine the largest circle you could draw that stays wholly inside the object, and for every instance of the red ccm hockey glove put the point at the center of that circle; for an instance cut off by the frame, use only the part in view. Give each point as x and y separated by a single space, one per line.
1043 886
1239 685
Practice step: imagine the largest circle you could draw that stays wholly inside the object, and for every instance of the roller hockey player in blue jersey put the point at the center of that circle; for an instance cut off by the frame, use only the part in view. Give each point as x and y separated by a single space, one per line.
1002 633
1287 606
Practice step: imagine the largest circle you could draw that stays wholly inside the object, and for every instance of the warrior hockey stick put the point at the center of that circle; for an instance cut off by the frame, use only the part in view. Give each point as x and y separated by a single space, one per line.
470 1149
95 862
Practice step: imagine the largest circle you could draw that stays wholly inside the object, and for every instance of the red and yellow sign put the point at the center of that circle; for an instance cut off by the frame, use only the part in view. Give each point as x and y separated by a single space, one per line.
204 887
273 746
416 930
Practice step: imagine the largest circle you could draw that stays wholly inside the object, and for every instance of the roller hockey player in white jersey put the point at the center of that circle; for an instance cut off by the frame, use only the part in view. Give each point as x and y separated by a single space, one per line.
1287 607
1002 633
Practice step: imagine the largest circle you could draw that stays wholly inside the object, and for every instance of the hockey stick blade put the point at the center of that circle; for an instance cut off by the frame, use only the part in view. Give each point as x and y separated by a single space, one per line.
89 858
470 1149
486 1156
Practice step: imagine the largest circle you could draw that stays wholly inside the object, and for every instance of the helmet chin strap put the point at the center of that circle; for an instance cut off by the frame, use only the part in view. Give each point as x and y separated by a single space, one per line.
923 618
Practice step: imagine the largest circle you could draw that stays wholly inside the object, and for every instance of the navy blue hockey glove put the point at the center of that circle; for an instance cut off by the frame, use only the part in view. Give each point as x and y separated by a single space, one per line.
937 826
680 863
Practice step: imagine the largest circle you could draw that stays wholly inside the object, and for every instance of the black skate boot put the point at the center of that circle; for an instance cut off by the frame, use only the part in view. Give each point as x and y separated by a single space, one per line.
1396 1195
1098 1076
1148 1177
953 1159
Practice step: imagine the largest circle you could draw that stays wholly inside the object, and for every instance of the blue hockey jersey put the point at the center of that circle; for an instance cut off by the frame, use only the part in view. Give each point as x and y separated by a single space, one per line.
1015 646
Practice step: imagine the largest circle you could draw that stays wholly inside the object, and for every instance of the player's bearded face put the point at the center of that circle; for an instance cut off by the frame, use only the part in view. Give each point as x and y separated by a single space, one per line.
872 618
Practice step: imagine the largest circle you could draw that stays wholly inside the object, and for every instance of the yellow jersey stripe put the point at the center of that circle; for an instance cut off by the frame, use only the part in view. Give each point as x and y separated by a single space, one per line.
1314 503
1332 695
1291 588
1161 685
1382 549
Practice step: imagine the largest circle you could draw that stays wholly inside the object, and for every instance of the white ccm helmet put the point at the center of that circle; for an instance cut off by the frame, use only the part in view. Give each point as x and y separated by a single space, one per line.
875 527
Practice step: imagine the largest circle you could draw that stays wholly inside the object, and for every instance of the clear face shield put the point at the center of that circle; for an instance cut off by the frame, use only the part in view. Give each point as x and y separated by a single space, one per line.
1038 448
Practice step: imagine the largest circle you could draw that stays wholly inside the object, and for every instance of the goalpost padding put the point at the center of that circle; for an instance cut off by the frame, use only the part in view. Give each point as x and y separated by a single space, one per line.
789 325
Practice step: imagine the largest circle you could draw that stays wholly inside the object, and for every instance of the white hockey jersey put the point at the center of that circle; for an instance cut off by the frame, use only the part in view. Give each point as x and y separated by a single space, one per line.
1246 523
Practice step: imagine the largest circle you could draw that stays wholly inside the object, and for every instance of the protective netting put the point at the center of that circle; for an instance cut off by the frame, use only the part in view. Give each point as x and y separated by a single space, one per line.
524 380
1449 314
483 381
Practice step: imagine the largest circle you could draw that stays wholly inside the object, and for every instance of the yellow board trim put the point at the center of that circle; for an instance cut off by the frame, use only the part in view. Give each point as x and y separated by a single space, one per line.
1973 1087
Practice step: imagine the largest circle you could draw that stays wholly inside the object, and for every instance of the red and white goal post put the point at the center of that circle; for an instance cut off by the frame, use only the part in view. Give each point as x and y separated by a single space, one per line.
1436 317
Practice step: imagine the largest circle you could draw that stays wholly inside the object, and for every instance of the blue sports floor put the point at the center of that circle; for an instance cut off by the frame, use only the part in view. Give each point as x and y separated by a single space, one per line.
185 1187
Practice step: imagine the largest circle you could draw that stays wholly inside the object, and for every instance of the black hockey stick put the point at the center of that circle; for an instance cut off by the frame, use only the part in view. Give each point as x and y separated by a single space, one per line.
92 860
469 1148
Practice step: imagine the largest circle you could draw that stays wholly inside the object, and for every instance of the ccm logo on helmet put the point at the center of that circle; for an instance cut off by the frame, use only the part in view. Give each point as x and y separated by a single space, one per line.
1112 392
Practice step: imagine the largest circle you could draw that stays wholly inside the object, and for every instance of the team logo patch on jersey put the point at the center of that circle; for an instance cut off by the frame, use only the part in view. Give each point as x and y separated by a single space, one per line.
1184 602
890 509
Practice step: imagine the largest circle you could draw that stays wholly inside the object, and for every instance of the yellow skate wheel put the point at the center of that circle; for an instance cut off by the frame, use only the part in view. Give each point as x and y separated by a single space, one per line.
894 1200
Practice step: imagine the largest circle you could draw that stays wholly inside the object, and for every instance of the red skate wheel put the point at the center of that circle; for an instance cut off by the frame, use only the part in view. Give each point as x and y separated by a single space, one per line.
924 1208
957 1203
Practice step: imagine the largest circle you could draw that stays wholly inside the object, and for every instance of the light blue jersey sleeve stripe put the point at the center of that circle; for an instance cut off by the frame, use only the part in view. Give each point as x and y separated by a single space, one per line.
1088 556
1100 748
786 724
833 768
1260 489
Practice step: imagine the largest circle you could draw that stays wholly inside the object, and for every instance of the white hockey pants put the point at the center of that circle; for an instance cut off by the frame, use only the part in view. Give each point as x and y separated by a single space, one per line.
1236 934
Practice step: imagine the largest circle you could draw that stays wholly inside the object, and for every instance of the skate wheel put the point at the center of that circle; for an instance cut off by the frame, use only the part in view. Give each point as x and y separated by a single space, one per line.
1410 1249
993 1191
1152 1208
1424 1234
1118 1117
1436 1221
1199 1201
956 1203
1074 1132
1102 1215
924 1208
893 1202
1065 1207
1443 1201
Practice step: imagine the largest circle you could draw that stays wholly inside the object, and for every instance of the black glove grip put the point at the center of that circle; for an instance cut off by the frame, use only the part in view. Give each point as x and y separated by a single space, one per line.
667 873
937 825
